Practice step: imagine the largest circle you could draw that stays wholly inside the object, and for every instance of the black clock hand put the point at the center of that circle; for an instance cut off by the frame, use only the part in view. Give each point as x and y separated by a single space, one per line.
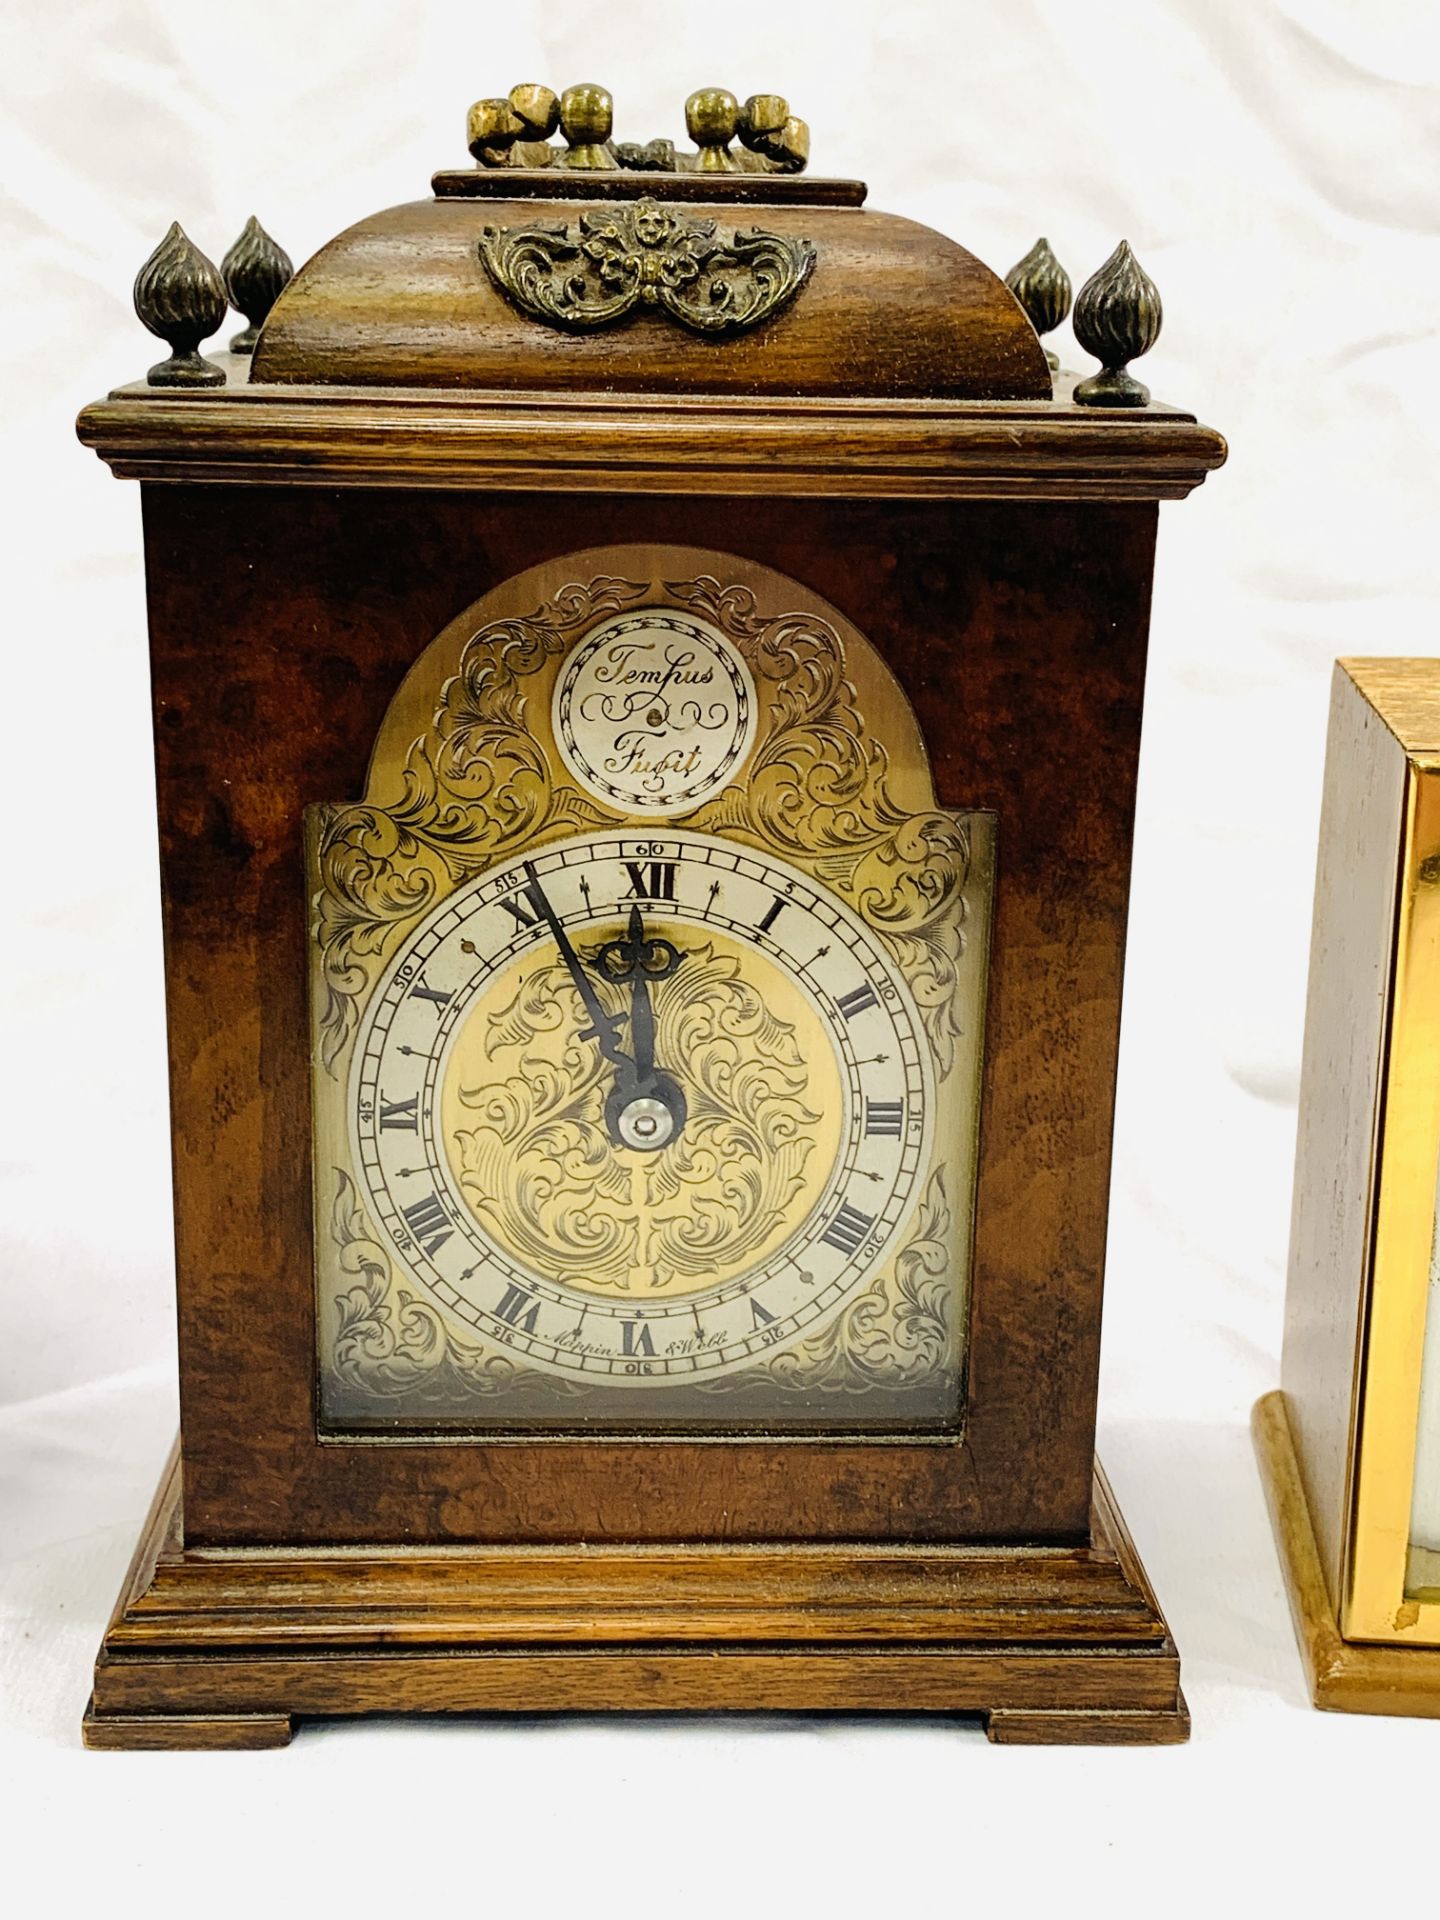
642 1014
602 1023
648 1111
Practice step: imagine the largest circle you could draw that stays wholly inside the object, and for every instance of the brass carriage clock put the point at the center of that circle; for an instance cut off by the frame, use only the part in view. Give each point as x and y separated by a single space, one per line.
1349 1445
647 676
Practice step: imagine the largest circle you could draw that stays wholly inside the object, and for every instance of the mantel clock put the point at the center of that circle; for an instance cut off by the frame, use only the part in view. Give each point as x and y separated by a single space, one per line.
647 677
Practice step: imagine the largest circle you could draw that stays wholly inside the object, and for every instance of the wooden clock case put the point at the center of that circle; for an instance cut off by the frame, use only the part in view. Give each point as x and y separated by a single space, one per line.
405 440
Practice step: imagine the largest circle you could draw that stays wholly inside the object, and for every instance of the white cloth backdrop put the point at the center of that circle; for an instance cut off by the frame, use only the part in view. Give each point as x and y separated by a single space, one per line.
1276 164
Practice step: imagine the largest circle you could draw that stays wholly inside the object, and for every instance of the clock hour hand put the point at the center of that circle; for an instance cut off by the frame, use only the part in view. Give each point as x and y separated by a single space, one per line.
603 1025
649 960
647 1110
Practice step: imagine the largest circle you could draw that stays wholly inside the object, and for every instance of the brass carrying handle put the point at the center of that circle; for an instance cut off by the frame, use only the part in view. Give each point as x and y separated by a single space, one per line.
517 131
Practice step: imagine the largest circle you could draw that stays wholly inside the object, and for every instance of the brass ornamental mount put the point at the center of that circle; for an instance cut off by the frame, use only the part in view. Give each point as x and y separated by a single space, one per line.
517 131
614 260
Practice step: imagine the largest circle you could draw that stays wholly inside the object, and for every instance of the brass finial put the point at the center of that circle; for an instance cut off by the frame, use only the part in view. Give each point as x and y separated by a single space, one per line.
712 120
769 131
1117 318
180 297
587 119
1042 287
256 272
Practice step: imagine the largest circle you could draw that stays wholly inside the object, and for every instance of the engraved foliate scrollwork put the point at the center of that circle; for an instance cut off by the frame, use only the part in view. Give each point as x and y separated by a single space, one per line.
818 789
388 1342
478 785
898 1333
536 1164
480 724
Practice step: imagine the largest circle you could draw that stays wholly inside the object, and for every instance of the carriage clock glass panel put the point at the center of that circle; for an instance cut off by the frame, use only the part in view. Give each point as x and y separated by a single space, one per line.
648 987
1423 1566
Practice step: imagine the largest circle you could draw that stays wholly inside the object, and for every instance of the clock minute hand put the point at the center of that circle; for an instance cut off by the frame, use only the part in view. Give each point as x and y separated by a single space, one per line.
602 1023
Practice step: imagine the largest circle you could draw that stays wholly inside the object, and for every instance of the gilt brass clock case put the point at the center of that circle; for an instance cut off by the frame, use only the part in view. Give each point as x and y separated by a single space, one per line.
1349 1445
389 561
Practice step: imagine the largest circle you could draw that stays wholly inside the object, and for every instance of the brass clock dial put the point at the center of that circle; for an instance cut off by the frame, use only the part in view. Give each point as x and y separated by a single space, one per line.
648 983
642 1108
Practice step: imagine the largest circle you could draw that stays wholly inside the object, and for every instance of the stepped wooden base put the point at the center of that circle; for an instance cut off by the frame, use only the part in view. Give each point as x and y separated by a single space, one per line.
1346 1676
226 1648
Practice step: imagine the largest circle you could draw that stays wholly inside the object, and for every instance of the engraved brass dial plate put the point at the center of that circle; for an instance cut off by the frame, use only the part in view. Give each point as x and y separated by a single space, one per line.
648 990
